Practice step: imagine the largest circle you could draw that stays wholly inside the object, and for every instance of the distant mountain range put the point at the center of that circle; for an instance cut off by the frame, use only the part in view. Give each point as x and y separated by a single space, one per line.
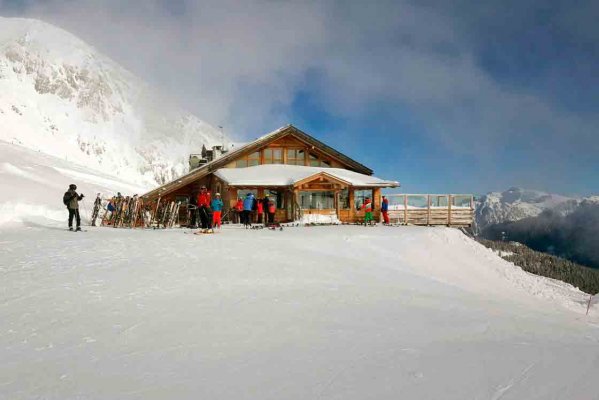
563 226
516 203
61 97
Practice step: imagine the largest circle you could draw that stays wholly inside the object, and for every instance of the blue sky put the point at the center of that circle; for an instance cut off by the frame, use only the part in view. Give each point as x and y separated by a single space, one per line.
444 96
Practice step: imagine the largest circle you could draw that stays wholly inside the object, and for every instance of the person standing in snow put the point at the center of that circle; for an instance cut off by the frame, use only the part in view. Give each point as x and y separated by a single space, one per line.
239 210
203 205
265 202
71 199
385 210
248 203
272 208
217 208
367 211
259 211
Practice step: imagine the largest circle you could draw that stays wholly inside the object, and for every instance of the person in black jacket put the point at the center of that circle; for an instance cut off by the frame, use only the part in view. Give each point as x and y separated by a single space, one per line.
265 202
71 199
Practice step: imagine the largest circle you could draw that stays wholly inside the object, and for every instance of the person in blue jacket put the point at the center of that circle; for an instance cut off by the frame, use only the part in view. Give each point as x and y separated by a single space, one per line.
248 204
217 209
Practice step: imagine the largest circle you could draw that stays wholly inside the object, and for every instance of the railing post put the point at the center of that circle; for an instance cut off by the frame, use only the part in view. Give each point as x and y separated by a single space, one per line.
428 211
405 209
449 200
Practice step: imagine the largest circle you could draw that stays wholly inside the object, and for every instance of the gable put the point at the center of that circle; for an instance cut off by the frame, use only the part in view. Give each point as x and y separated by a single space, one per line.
293 149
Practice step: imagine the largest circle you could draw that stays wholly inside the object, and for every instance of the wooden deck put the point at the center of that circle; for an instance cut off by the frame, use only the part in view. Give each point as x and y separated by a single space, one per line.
431 209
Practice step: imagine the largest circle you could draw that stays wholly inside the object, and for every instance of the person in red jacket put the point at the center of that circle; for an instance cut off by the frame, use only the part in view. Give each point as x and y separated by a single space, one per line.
367 207
272 208
259 211
239 209
204 200
385 210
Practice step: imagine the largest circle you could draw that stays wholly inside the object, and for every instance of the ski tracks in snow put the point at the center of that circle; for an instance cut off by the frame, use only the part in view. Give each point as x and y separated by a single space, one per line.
504 389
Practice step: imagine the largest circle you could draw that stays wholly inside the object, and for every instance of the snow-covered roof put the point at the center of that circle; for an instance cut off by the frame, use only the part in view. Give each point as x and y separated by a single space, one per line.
287 175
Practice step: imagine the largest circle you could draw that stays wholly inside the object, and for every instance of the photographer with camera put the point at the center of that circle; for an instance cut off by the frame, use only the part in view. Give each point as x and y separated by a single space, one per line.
71 200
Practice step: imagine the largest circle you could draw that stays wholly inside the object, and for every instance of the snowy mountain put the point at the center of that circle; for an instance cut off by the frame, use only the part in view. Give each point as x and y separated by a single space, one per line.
61 97
517 203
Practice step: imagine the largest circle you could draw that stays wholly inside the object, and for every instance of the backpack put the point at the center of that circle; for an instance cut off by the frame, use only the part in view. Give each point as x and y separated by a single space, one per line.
66 198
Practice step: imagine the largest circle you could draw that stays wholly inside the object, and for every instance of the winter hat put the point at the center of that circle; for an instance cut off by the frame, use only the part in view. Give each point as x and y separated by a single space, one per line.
73 186
218 194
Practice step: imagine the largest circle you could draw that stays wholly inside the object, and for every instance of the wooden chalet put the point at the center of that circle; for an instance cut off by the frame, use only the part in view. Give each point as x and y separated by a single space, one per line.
305 177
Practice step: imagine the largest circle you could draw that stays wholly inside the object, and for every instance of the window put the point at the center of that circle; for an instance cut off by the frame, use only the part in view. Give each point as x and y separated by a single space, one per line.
254 159
360 196
273 156
317 200
314 161
242 193
250 160
344 199
277 197
296 157
182 199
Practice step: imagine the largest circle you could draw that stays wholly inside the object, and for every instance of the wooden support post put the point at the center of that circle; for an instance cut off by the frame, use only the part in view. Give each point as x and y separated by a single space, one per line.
428 209
405 209
449 200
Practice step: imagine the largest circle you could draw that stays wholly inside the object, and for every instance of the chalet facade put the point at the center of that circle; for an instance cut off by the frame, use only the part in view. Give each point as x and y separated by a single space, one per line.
304 176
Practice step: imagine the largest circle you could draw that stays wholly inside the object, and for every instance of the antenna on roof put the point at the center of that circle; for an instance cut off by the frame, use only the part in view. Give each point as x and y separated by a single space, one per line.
222 138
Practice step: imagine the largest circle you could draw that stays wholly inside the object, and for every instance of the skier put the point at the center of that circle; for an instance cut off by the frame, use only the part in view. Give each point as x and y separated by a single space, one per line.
272 208
247 210
367 211
385 210
217 208
239 210
259 211
204 209
71 200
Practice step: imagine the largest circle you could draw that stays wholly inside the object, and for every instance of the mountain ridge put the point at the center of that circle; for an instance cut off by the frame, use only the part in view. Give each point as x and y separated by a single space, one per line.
60 96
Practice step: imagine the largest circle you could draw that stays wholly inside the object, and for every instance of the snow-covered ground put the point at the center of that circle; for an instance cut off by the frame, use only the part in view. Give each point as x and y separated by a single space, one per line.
339 312
33 183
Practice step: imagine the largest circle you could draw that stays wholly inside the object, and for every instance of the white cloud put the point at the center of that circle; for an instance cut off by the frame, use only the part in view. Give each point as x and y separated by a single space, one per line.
241 63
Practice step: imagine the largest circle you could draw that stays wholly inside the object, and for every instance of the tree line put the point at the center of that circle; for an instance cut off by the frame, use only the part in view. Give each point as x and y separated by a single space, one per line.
543 264
574 236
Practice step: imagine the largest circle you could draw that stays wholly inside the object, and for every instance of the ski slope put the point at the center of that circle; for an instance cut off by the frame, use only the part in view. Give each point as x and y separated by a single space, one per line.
339 312
32 185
